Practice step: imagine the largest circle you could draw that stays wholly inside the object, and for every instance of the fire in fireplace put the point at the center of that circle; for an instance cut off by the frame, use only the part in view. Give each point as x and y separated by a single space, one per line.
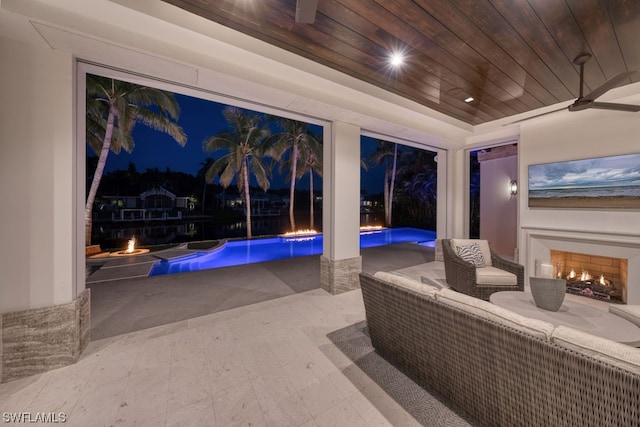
593 276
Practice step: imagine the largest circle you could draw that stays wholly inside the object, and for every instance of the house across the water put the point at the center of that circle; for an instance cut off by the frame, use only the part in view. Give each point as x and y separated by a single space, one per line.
155 204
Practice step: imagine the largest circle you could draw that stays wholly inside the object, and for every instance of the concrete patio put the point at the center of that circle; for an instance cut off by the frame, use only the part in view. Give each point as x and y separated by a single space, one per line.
124 299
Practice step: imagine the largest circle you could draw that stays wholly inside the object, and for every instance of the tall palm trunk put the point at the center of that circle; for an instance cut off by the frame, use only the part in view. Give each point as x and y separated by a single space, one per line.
311 219
292 188
393 183
97 176
386 195
247 197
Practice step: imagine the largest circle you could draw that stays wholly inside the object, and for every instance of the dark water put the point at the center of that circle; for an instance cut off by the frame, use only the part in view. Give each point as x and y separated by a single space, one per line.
157 233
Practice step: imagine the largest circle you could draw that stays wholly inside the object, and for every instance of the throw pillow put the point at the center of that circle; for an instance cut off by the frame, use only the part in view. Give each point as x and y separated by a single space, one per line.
471 253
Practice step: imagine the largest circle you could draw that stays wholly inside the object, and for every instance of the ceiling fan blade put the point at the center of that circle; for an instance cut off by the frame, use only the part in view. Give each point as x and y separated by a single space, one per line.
306 11
614 106
608 85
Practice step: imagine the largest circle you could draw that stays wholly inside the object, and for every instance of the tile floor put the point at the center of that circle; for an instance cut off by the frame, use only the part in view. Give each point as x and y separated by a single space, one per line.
266 364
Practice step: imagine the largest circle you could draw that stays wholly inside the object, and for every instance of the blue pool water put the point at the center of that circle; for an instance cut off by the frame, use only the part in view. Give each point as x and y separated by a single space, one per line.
249 251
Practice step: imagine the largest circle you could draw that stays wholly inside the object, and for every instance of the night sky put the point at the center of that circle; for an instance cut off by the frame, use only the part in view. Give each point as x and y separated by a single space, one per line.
201 119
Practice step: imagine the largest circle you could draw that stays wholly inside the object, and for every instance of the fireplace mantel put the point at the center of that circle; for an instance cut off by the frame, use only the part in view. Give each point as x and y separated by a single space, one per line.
537 242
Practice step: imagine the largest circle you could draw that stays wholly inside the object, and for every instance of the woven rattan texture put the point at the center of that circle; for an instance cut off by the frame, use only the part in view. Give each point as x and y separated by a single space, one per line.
493 374
461 275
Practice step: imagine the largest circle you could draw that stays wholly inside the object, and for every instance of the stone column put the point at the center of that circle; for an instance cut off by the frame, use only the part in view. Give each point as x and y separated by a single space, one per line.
40 339
44 308
341 261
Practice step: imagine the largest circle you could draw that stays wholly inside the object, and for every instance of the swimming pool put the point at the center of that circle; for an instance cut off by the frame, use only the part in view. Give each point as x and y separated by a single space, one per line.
250 251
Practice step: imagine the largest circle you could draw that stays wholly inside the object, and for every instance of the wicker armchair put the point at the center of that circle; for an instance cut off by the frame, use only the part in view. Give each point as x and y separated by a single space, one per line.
461 275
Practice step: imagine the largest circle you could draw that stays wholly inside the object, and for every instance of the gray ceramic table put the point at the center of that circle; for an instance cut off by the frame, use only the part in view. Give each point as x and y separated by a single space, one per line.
572 314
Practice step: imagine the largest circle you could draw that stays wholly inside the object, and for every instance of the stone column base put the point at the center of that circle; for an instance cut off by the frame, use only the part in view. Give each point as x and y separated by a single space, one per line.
40 339
340 275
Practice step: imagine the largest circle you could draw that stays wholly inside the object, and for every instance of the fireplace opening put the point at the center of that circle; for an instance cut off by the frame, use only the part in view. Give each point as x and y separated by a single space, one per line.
592 276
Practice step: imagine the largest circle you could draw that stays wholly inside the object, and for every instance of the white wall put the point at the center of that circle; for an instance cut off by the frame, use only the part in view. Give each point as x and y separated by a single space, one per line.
498 208
341 184
37 254
457 191
571 136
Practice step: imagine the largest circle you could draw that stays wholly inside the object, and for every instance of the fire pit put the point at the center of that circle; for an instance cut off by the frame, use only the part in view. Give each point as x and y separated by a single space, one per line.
130 251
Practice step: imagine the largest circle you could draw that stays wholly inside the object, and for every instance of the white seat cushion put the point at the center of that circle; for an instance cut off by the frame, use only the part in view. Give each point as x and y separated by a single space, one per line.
495 276
408 283
484 247
486 310
620 355
629 312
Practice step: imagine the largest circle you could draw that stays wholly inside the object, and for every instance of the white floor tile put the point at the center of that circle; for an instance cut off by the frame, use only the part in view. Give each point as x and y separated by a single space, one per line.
238 406
340 415
268 364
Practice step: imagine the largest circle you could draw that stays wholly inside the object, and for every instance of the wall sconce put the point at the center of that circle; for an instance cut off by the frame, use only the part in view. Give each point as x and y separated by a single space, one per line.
513 187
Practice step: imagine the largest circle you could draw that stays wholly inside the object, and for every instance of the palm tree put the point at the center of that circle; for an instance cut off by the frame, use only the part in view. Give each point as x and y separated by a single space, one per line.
311 156
294 133
113 109
204 166
417 197
245 145
393 182
386 151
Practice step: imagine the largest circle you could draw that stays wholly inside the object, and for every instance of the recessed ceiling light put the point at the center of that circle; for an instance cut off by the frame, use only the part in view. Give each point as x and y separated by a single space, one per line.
397 59
469 99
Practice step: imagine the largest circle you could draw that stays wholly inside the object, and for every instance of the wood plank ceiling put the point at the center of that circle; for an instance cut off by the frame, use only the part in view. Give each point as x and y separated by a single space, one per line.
511 56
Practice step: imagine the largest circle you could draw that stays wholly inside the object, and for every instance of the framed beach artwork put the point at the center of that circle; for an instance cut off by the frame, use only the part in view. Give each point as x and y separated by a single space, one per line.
603 182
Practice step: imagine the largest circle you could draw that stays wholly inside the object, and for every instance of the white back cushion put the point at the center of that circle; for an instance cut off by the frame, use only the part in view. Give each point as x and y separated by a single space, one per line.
486 310
405 282
484 247
620 355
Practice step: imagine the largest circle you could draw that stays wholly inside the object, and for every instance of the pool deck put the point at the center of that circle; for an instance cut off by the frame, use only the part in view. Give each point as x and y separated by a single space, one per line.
124 299
108 269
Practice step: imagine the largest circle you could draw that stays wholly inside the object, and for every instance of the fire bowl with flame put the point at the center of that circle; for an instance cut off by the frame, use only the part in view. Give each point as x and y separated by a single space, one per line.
299 235
370 229
130 251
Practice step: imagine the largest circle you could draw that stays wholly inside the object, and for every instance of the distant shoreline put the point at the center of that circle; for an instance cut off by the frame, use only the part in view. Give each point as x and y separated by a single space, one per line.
624 202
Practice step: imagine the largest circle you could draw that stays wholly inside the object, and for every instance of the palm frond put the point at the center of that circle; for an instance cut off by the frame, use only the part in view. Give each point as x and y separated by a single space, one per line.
216 167
228 174
161 123
222 141
260 170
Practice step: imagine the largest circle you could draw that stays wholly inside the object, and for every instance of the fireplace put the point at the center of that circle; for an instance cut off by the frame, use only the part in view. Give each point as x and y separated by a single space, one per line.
592 251
594 276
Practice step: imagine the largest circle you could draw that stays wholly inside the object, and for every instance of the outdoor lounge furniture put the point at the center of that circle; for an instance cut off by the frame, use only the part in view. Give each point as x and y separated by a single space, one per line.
496 274
498 368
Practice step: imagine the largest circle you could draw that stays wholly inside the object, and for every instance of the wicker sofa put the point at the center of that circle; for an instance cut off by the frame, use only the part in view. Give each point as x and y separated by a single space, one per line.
500 369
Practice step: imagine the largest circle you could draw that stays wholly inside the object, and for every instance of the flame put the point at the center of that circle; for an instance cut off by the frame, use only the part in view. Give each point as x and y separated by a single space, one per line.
305 232
371 227
572 275
585 276
131 245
